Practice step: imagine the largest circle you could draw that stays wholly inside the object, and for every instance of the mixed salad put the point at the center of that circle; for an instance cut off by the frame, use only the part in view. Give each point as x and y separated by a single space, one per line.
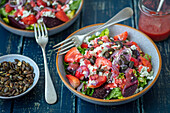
108 67
24 13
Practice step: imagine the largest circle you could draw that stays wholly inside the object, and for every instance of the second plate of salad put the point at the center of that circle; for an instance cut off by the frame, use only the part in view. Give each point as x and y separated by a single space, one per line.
21 15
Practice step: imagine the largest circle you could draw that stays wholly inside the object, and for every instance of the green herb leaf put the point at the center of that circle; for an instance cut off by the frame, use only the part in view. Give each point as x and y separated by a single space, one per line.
65 65
121 75
115 93
142 81
105 32
81 50
3 2
75 5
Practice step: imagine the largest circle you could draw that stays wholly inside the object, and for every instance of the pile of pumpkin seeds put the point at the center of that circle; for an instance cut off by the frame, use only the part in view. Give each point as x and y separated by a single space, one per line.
15 77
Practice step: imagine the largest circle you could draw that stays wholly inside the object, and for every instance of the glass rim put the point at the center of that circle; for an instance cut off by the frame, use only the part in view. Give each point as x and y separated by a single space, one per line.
149 10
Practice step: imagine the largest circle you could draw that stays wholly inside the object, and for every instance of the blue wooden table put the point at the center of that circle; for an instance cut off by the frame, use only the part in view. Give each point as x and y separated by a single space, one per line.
156 100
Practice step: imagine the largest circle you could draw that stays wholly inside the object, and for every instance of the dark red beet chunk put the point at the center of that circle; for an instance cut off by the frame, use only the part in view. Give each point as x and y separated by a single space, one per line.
15 23
100 92
130 90
51 22
131 84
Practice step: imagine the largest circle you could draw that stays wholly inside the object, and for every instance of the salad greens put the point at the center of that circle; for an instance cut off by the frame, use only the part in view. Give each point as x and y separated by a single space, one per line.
81 50
75 5
115 93
105 32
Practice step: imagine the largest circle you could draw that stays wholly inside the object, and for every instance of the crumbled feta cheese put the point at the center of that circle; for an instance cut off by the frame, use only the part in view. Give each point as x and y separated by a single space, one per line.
65 8
82 62
138 90
70 2
131 77
85 72
91 69
20 7
97 33
144 71
48 14
100 73
133 47
41 6
28 1
26 13
91 82
40 20
55 3
86 39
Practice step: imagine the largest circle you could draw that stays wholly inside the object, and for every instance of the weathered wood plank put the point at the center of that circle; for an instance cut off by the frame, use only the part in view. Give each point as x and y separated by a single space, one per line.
99 11
34 101
157 99
9 44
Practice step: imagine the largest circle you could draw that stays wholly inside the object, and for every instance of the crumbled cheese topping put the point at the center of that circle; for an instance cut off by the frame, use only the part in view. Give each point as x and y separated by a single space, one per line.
133 47
26 13
82 62
97 33
48 14
65 8
40 20
144 73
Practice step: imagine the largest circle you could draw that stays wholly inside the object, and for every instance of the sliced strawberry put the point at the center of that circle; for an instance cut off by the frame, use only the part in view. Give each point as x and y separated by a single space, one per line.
82 72
96 81
84 45
29 19
73 55
104 38
121 37
110 85
136 62
146 63
8 8
103 61
44 10
137 47
32 3
62 16
87 62
41 2
74 81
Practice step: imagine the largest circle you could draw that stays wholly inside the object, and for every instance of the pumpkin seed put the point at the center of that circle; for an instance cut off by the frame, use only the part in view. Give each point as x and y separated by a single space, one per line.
15 77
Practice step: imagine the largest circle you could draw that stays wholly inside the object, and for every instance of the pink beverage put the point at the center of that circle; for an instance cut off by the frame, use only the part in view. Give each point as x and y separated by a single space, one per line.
155 24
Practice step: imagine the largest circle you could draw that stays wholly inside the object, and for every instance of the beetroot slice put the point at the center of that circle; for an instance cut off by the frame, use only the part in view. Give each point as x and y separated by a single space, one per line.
130 90
15 23
51 22
131 84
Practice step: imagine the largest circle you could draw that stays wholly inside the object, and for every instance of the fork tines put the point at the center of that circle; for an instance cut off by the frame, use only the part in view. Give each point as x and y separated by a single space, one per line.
65 45
41 33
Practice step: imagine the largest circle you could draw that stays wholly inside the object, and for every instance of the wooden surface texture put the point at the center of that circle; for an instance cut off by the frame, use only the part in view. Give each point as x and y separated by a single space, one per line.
156 100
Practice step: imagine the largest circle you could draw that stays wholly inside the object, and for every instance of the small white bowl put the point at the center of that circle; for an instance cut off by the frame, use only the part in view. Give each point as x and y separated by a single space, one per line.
145 43
11 57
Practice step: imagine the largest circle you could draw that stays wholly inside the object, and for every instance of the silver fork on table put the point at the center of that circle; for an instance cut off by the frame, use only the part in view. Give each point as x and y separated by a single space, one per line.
77 40
41 36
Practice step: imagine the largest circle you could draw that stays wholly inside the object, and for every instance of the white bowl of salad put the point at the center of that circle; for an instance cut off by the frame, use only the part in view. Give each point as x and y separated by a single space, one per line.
111 67
19 16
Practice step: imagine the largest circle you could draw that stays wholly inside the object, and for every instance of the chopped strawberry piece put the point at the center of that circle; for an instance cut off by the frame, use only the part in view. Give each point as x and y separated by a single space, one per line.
103 61
97 81
146 63
61 15
74 81
41 2
29 19
121 37
82 72
84 45
136 62
73 55
8 8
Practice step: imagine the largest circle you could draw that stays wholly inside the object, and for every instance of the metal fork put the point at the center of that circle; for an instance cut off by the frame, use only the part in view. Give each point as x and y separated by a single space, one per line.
41 36
77 40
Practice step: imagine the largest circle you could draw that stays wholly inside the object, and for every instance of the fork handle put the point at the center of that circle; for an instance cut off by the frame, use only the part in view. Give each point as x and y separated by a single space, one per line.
122 15
50 93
